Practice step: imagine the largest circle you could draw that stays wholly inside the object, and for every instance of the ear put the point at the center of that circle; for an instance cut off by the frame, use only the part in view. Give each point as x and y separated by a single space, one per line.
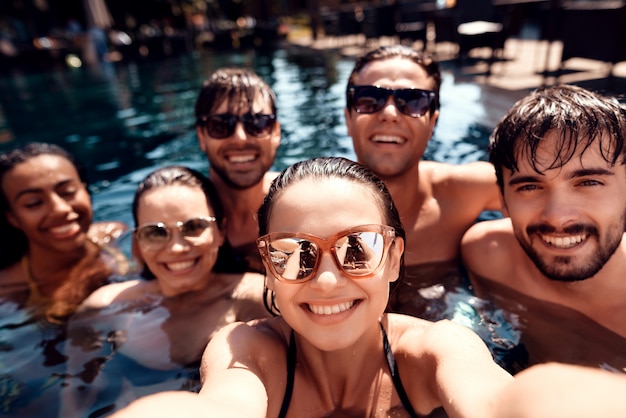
276 135
201 138
136 252
505 209
12 219
221 233
393 258
433 121
346 114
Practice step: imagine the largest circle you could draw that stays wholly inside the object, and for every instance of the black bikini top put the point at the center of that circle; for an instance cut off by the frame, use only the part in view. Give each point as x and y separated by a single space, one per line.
391 362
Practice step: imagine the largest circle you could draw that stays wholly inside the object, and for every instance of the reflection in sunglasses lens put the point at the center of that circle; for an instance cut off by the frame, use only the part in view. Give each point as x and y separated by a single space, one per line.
358 253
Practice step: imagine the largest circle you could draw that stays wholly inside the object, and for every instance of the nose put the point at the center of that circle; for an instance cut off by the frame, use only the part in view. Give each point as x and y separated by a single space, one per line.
328 276
177 242
389 110
239 133
559 208
59 204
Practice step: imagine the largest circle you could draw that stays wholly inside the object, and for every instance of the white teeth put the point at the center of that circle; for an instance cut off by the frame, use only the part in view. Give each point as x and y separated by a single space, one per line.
241 158
388 139
564 242
330 310
181 265
64 229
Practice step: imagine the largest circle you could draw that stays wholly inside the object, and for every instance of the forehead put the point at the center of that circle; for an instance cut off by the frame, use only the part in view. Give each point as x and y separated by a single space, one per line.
324 207
396 72
172 203
240 105
42 171
553 157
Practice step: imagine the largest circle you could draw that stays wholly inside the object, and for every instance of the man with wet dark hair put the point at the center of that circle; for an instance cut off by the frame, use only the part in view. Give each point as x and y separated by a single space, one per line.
239 133
560 162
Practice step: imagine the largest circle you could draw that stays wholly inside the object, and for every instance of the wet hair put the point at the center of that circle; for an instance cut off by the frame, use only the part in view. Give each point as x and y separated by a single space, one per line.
580 118
326 168
421 58
239 87
175 175
13 242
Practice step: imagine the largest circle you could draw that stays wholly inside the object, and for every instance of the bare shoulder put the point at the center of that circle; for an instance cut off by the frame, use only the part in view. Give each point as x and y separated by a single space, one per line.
13 278
248 295
250 283
421 337
498 230
258 345
110 293
477 172
489 245
472 184
268 178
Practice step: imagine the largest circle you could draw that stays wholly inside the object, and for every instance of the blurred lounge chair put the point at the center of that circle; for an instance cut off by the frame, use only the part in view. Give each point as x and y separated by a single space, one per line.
472 24
592 29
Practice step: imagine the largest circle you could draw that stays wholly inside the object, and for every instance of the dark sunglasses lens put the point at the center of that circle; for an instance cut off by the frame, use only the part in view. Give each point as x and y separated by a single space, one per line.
258 125
369 99
152 234
220 126
413 103
360 253
195 227
293 258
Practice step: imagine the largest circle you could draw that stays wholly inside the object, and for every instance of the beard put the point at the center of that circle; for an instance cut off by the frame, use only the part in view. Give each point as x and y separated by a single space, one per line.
240 181
573 268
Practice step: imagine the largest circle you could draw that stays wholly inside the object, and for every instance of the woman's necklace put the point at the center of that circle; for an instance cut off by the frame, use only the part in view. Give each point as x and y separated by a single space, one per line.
35 297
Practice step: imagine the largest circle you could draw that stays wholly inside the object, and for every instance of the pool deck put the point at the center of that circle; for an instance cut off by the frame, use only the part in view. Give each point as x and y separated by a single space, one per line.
520 70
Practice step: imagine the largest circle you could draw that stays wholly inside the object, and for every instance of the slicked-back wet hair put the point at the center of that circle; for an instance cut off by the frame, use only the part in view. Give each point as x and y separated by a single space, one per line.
13 242
421 58
326 168
580 118
176 175
236 86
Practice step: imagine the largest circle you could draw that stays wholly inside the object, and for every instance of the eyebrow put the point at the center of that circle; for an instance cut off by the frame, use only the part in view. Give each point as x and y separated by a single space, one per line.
583 172
40 190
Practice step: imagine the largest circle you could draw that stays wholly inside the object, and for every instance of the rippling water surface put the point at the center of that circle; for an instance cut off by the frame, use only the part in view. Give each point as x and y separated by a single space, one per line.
123 120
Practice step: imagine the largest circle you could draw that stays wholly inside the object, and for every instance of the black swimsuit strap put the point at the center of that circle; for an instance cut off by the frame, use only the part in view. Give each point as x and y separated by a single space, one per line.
291 372
391 362
395 375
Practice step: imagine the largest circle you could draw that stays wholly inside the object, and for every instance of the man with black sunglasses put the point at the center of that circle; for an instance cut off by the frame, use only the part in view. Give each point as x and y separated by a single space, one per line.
391 111
238 131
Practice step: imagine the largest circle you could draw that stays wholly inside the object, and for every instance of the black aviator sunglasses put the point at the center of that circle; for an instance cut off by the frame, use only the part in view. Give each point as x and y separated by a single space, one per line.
371 99
221 126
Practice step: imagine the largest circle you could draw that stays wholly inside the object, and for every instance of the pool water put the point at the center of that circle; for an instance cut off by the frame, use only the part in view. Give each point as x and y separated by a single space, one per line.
124 120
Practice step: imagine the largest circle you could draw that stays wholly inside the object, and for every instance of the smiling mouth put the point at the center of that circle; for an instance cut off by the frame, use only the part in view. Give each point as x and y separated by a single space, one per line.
242 158
181 265
564 242
330 309
65 229
388 139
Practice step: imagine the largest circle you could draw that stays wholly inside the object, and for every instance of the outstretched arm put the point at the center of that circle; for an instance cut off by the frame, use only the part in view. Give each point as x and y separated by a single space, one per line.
231 386
563 391
465 379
